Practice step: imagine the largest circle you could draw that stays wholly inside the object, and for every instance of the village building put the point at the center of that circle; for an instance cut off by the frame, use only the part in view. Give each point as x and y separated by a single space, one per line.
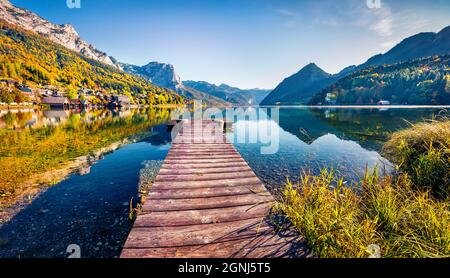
9 82
384 102
58 94
331 99
120 101
56 102
75 104
85 104
27 91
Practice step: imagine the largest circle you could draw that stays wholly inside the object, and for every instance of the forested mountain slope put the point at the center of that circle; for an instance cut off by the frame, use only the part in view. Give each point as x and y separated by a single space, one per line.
423 81
28 57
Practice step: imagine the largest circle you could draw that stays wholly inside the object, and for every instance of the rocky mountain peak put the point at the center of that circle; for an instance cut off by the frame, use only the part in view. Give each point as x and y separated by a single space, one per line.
313 68
69 29
65 34
162 75
310 72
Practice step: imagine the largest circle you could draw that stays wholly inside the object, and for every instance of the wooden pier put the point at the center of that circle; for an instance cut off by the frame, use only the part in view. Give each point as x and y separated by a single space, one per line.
206 202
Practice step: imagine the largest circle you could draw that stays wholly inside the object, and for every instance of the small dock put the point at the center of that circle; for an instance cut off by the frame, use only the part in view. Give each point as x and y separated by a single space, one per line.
206 202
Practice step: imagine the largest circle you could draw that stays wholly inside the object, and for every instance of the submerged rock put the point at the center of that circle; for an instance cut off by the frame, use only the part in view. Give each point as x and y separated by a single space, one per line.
148 175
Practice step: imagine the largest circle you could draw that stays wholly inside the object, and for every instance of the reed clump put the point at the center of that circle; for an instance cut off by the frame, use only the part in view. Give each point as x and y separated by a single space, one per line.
423 153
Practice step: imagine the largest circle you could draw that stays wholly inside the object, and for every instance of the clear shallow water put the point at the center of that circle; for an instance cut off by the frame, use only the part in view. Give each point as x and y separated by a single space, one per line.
92 210
89 210
310 139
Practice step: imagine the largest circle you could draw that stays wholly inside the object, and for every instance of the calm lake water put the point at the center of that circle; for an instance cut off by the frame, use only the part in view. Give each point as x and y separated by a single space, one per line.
92 210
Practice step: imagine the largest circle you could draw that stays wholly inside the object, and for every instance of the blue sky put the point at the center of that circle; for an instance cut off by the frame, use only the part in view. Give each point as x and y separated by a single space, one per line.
245 43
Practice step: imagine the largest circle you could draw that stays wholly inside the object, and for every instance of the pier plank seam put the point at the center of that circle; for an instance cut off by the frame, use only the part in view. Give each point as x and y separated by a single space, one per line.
206 202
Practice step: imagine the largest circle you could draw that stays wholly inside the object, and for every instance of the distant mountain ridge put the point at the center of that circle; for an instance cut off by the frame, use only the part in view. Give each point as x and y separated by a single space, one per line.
417 46
65 35
231 94
304 85
298 88
164 75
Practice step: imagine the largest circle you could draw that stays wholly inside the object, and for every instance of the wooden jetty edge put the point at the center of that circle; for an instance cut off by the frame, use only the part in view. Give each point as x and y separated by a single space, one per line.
206 202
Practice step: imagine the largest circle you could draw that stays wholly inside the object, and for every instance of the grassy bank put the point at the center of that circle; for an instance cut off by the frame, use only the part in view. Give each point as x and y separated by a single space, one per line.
28 152
406 215
423 152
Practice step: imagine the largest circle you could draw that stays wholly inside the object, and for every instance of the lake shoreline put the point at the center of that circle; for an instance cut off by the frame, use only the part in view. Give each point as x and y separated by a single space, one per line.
39 183
134 106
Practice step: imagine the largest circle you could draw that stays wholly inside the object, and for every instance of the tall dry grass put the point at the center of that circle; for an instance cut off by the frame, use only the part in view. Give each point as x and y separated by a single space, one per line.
423 152
385 213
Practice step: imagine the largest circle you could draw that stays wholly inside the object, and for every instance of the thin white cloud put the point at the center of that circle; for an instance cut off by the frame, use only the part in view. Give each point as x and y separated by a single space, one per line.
385 22
383 26
356 13
330 21
285 12
291 18
380 20
410 20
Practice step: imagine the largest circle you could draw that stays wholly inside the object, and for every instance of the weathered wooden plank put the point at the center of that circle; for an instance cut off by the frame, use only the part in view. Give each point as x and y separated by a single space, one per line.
206 203
205 134
208 153
193 170
171 156
205 161
201 132
205 166
205 192
191 148
199 141
156 237
200 136
198 217
187 148
201 146
263 246
174 176
202 184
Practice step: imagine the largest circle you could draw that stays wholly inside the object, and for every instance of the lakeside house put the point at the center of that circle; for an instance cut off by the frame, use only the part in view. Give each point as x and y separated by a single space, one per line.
384 102
331 99
120 101
25 89
28 92
9 82
85 103
75 104
57 102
